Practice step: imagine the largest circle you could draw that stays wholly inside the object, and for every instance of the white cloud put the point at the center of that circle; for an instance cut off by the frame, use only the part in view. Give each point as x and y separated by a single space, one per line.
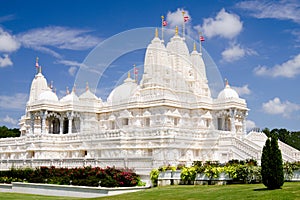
71 63
225 25
283 10
17 101
276 107
244 90
5 61
58 37
72 70
250 125
233 53
9 120
236 52
8 42
176 19
7 18
289 69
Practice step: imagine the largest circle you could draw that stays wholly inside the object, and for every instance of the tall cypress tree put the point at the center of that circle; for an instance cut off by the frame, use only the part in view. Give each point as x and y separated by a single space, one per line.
265 170
277 165
271 164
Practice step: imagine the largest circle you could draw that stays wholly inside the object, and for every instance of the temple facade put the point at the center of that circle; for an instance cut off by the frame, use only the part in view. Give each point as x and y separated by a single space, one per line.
169 117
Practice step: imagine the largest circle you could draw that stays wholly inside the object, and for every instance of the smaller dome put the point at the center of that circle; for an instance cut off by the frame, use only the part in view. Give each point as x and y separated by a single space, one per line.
228 93
48 95
88 95
123 91
70 97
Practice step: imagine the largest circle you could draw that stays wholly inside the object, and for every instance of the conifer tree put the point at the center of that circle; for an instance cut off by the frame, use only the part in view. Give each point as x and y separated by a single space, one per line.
271 164
265 170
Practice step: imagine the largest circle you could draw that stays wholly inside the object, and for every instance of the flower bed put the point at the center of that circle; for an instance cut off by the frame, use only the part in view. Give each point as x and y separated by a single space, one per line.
210 172
85 176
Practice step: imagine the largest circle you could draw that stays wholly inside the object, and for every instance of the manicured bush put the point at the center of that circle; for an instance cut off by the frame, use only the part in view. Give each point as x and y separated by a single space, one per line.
154 176
271 164
85 176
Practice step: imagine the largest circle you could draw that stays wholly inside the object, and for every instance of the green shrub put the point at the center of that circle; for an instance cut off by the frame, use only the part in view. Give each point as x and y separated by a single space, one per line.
271 164
154 176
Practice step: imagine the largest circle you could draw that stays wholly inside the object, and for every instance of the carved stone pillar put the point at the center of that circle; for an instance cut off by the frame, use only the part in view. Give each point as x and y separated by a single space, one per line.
43 115
70 118
232 119
244 122
61 124
32 123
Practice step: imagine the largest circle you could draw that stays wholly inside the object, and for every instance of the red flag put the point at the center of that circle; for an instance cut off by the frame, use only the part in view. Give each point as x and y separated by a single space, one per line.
36 64
136 71
202 38
186 18
165 23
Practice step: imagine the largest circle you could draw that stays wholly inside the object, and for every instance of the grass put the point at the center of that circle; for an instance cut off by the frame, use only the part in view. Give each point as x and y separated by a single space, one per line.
290 190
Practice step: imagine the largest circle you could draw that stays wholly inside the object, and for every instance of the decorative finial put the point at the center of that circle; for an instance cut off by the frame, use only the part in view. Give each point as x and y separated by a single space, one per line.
176 30
40 69
128 74
195 49
67 90
226 82
51 85
156 32
87 86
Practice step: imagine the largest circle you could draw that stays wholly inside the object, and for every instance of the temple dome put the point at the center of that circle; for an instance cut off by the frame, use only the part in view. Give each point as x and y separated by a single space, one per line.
228 93
88 95
123 91
70 97
48 95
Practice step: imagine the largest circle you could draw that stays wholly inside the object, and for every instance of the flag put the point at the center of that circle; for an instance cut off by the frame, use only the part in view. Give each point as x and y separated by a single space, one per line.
37 62
186 18
202 38
165 23
136 71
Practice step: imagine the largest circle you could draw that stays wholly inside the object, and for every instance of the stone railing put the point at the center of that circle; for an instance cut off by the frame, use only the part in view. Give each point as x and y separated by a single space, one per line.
144 163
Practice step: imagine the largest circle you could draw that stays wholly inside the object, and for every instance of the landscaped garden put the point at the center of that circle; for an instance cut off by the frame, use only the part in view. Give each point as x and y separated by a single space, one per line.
84 176
212 172
290 190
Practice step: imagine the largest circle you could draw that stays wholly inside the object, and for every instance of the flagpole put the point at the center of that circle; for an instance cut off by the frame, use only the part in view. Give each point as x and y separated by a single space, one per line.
183 27
200 42
162 27
135 73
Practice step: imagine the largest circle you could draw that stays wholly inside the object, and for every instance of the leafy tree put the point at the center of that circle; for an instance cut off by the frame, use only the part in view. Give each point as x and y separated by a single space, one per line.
6 132
288 137
271 163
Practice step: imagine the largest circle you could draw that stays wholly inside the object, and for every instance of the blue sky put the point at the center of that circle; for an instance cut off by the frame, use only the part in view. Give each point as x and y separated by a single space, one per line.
255 44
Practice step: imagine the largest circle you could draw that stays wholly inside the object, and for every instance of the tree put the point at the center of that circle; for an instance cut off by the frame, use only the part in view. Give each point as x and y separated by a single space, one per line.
6 132
271 163
288 137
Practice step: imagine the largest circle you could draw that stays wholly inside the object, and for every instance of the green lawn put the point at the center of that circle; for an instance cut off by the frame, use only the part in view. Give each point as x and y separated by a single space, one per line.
245 191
